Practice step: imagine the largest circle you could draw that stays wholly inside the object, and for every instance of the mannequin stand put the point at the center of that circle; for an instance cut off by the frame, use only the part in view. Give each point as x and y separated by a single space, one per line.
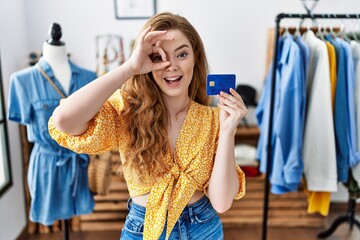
350 217
66 229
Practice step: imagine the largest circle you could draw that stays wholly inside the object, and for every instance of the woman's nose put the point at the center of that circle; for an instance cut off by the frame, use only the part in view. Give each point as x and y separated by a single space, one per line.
173 65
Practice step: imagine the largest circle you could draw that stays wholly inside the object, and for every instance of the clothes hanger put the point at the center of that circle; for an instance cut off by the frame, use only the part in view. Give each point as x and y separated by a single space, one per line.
308 29
321 33
357 33
309 9
332 33
342 34
354 29
286 32
325 30
297 31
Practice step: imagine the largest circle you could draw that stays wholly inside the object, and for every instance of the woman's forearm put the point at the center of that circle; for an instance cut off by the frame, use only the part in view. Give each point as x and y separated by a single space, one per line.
224 182
74 113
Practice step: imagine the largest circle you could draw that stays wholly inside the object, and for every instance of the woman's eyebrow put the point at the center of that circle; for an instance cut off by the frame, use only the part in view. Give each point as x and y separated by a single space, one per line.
182 46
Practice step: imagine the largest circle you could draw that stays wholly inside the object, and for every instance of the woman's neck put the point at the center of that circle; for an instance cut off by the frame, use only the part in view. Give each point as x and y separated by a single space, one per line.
177 105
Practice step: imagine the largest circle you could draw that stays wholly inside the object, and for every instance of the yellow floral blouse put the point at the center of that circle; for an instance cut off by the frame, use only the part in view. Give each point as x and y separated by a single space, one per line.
191 166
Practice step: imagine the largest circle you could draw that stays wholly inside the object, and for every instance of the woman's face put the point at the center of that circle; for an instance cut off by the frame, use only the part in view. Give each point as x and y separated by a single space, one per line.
175 79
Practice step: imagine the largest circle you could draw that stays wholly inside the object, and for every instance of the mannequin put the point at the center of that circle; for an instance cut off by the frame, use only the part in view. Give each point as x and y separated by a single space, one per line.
54 53
57 177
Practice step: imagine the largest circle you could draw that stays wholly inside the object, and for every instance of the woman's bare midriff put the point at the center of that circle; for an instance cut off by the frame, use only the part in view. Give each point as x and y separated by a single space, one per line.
141 200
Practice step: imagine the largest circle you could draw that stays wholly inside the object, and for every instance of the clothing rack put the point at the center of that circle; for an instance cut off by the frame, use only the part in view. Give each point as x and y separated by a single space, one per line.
350 217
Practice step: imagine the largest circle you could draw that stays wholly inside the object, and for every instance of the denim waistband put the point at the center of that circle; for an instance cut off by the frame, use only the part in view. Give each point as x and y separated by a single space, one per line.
189 210
133 207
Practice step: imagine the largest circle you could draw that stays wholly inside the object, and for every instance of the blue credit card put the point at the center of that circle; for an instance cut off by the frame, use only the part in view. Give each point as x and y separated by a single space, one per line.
215 83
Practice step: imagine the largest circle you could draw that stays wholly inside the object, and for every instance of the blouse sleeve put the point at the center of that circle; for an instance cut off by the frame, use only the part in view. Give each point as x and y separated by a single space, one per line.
106 131
242 183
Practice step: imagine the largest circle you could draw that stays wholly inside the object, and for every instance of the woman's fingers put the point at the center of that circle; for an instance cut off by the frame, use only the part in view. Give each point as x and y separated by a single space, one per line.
160 51
158 58
236 114
147 39
236 95
148 55
160 65
155 36
143 33
233 100
233 104
230 110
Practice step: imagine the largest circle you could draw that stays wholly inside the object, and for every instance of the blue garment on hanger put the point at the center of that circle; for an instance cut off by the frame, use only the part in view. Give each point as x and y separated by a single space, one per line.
305 55
341 114
263 118
289 108
354 156
57 177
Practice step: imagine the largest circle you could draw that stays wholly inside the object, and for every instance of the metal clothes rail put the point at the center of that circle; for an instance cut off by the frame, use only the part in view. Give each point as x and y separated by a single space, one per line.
349 217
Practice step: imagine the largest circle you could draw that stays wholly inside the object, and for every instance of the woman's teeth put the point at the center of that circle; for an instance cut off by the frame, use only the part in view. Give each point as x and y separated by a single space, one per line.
172 79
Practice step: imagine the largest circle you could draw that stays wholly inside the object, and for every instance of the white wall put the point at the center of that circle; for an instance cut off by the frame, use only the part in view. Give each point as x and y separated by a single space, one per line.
14 51
234 33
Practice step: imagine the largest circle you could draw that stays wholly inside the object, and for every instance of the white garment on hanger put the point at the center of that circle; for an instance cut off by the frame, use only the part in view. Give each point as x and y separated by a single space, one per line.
319 138
355 49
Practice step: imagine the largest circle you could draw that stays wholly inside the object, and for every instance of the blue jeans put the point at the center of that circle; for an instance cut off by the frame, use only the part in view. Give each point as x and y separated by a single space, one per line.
197 221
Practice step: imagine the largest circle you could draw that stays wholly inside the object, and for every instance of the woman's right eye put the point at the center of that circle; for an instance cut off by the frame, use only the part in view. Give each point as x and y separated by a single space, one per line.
155 58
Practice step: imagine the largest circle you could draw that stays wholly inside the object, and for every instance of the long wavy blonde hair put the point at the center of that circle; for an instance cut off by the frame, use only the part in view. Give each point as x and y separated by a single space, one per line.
146 109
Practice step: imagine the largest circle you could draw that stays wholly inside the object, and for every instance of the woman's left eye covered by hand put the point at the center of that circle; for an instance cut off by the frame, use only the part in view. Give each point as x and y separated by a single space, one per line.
156 58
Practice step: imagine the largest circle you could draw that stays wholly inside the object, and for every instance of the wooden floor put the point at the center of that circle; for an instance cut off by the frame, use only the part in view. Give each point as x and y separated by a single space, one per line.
245 233
342 233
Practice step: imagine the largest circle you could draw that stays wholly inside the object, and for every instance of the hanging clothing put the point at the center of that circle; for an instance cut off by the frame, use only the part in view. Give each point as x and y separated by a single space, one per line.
319 139
350 85
57 177
330 146
263 121
319 202
340 114
289 109
305 56
287 166
333 70
355 49
356 173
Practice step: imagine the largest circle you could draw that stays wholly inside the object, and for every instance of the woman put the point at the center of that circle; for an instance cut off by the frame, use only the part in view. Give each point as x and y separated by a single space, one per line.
177 153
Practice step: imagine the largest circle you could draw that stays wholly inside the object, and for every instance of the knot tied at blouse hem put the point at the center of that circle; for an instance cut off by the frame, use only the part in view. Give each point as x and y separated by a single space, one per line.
167 201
